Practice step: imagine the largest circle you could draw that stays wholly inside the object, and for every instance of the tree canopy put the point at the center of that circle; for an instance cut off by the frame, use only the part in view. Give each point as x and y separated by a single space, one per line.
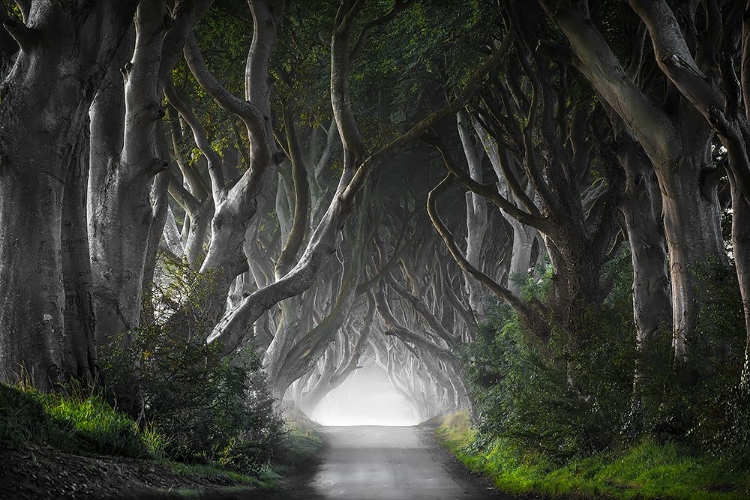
461 193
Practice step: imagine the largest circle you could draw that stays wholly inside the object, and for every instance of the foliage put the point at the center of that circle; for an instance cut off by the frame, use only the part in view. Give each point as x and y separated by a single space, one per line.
563 417
439 45
73 423
563 399
719 404
574 396
213 409
301 61
647 470
698 402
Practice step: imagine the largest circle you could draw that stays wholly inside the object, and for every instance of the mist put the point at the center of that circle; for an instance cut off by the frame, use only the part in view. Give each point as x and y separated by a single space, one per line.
366 398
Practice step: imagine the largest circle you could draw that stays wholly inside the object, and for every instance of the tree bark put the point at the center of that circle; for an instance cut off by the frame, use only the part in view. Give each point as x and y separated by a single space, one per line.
80 358
741 251
121 214
476 217
46 97
523 234
652 305
678 147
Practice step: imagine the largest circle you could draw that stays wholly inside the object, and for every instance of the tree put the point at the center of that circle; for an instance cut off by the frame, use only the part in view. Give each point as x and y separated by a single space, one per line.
57 69
127 164
677 140
356 168
707 78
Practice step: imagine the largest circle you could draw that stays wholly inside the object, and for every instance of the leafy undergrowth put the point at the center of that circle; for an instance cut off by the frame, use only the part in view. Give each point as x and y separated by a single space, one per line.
79 447
645 471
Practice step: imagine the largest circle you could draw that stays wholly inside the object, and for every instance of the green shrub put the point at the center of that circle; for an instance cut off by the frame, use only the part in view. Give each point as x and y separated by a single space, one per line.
568 397
573 397
645 470
521 392
699 402
212 408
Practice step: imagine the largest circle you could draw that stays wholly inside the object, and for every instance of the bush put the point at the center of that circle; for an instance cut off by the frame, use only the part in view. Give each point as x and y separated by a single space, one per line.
212 408
700 403
564 399
574 396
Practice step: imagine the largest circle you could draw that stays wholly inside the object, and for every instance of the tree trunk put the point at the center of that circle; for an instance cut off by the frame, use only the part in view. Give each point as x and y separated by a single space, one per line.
523 235
476 218
652 305
80 358
678 145
741 250
43 112
121 214
693 235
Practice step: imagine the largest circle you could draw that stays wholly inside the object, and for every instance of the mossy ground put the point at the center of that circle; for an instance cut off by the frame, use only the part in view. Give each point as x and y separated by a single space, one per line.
77 446
647 470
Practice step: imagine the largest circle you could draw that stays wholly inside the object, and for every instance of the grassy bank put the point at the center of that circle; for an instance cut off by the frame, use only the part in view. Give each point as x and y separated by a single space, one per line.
78 446
645 471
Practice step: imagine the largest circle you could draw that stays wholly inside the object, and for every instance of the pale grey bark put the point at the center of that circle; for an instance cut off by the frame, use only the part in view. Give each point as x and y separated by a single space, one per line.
172 237
80 356
288 358
741 251
122 220
231 207
707 79
524 235
46 97
652 306
120 194
476 215
323 241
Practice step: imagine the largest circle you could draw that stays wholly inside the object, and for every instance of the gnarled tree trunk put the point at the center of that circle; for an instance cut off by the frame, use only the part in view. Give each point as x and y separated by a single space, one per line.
46 97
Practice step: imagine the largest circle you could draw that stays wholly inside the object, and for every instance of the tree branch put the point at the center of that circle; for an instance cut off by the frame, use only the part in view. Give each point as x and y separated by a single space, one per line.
532 318
199 135
301 198
247 112
595 59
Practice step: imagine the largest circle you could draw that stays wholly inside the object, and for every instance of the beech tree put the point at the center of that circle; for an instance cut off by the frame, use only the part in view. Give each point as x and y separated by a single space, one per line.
707 78
356 168
126 193
676 138
60 54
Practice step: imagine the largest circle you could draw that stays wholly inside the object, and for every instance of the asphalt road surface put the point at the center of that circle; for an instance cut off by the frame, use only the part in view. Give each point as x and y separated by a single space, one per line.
393 463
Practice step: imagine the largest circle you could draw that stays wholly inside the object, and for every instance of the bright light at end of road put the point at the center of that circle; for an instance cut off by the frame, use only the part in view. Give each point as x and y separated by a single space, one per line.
366 398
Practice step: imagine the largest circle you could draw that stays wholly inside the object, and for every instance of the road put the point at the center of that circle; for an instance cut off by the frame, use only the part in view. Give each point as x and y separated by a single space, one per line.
391 463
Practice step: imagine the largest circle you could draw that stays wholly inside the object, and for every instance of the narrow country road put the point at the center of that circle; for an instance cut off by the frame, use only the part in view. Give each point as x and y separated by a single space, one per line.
393 463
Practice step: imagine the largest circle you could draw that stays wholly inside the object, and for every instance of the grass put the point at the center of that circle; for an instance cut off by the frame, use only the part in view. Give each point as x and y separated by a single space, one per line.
647 470
76 423
82 423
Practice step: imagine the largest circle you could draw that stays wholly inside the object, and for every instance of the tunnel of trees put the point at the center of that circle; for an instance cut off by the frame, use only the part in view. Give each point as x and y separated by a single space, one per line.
537 211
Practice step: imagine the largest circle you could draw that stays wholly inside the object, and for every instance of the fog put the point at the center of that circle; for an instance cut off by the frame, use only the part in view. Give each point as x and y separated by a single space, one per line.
366 398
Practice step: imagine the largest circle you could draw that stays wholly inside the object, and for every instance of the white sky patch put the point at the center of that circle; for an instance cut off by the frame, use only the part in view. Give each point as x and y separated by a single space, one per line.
366 398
